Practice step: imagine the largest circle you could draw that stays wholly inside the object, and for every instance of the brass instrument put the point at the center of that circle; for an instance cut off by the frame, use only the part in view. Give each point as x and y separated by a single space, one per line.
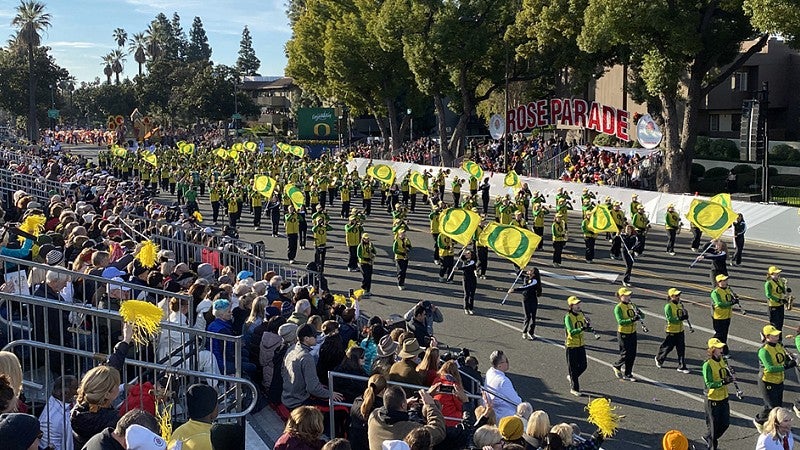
589 325
790 298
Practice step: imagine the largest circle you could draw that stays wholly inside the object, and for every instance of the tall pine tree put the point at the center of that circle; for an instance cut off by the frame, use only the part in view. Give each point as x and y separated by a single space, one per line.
248 63
198 48
181 43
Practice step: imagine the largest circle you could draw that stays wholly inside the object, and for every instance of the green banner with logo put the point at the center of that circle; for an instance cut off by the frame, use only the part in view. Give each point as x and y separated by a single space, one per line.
317 124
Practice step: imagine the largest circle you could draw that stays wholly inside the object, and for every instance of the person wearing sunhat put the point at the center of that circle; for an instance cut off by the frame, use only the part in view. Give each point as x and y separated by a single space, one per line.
716 377
626 314
672 223
405 370
675 314
775 290
366 255
575 323
723 300
773 361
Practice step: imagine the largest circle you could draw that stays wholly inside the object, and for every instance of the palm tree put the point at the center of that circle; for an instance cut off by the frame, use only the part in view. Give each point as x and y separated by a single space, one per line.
137 47
118 61
154 44
108 60
29 22
120 36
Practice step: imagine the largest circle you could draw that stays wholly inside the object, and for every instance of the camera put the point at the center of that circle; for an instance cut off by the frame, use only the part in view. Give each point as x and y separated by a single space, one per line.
446 388
460 356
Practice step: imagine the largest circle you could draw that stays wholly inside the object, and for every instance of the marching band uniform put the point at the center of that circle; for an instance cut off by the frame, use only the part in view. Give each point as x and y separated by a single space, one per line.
675 314
575 324
626 315
400 248
672 223
716 378
773 361
722 303
775 291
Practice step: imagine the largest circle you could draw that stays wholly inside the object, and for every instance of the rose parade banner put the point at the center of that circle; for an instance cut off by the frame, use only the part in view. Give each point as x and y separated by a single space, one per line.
569 111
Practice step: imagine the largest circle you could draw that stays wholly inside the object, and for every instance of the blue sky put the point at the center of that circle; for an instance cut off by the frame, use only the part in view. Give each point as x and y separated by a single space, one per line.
81 30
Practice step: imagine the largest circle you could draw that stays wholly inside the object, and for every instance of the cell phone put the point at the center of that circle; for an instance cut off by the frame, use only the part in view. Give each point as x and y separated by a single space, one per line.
351 292
446 388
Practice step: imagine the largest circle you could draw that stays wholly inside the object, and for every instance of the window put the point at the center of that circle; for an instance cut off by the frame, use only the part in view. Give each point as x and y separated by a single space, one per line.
739 81
736 122
713 122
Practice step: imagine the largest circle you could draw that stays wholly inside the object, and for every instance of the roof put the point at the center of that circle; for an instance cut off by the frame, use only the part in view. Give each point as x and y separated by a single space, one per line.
267 83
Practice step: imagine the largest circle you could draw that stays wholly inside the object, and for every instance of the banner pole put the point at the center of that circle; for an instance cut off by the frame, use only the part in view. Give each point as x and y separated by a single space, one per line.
450 277
512 286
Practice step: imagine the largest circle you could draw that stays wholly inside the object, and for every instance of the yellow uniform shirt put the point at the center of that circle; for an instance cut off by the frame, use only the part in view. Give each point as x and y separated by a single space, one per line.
194 436
573 324
713 374
624 313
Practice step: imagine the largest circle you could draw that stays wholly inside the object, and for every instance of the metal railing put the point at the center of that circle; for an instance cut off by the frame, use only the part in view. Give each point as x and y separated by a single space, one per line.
785 194
37 186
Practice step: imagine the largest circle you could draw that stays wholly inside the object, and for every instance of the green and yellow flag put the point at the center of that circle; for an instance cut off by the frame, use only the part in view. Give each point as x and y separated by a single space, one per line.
382 173
601 221
264 185
511 242
512 180
150 158
233 154
711 217
222 153
250 146
723 199
295 150
459 224
419 182
237 146
186 149
116 150
473 169
295 194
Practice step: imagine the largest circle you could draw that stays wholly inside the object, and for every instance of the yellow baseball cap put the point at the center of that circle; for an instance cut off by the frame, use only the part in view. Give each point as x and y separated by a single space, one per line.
715 343
721 277
773 270
364 236
572 300
672 292
770 330
624 291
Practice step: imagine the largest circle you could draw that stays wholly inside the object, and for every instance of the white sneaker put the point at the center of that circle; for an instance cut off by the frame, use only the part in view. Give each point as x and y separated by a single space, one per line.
291 261
617 372
658 364
400 288
685 370
575 393
466 311
796 411
526 336
671 253
255 228
629 378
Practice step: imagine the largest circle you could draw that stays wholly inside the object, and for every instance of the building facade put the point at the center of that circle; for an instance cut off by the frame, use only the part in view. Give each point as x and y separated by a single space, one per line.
273 95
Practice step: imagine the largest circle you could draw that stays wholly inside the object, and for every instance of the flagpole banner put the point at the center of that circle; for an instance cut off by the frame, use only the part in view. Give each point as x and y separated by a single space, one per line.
512 180
723 199
711 217
295 194
601 221
510 242
317 124
473 169
382 173
459 224
419 182
264 185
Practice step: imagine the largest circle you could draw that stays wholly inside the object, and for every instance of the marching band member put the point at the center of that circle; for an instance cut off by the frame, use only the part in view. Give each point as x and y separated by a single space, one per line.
445 246
628 240
531 290
672 223
626 315
723 300
366 255
575 324
559 232
675 313
400 248
481 250
716 378
775 291
538 211
434 218
642 224
773 361
589 237
469 282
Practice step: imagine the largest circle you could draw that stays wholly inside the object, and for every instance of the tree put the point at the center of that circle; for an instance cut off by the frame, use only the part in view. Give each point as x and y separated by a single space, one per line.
198 48
120 37
14 78
30 20
776 16
137 48
108 62
118 62
179 37
247 63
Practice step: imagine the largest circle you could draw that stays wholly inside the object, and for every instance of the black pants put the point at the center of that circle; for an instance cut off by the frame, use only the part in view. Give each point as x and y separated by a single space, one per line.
256 216
303 234
671 233
413 202
367 204
404 195
718 418
456 197
276 220
776 314
696 235
675 341
721 327
540 232
483 260
628 266
558 247
402 267
233 217
323 198
470 285
627 352
366 277
616 246
576 365
739 241
589 248
345 209
352 261
485 201
772 394
291 251
435 246
214 211
529 306
447 266
642 239
331 195
319 257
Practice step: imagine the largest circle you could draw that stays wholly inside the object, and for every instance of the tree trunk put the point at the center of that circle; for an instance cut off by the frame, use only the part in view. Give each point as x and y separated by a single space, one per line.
671 177
394 126
384 132
438 105
33 129
140 68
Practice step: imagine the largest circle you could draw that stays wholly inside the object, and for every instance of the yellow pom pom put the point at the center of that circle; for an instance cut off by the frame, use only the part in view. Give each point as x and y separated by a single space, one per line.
33 224
340 299
147 254
351 344
197 216
357 294
145 317
164 416
601 414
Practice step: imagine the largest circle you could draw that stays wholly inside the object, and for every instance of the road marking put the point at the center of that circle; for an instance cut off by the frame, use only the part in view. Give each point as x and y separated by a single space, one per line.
609 277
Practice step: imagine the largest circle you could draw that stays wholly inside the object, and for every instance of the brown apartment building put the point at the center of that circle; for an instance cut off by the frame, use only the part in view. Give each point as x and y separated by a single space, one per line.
273 95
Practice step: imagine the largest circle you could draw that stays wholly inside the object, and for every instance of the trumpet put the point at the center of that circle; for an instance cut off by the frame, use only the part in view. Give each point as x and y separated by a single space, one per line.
732 372
641 318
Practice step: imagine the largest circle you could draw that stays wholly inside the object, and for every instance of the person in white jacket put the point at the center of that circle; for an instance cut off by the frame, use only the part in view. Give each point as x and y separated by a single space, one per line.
777 434
501 393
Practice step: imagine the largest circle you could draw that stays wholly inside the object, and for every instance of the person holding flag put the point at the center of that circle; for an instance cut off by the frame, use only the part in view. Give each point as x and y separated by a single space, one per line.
366 255
559 233
675 313
531 290
775 290
717 252
470 281
400 248
672 223
575 323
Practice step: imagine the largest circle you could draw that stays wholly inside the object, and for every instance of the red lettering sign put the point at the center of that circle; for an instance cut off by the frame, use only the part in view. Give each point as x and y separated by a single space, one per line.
594 118
541 113
580 107
566 115
531 121
521 118
622 125
608 119
571 112
511 116
556 107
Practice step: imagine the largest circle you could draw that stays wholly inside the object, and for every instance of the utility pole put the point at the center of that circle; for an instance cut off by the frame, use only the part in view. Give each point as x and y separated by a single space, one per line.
764 94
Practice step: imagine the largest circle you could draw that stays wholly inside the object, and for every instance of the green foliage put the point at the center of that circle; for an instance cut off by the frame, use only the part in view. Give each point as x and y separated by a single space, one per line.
742 168
697 171
716 172
102 100
603 140
14 81
198 48
776 17
784 154
724 149
247 63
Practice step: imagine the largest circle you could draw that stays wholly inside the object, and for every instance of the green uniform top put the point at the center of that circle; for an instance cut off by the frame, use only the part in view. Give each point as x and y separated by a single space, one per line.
538 216
352 234
366 190
624 314
321 234
401 247
473 184
574 324
587 232
634 207
365 253
714 373
640 221
722 302
434 216
504 212
445 245
771 358
619 217
672 221
456 186
558 231
775 291
292 223
672 311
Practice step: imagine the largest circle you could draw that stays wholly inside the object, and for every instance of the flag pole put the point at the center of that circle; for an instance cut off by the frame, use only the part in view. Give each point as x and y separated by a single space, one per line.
512 286
450 277
700 256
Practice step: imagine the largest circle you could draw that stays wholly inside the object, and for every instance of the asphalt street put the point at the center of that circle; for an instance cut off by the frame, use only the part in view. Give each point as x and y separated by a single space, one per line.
660 399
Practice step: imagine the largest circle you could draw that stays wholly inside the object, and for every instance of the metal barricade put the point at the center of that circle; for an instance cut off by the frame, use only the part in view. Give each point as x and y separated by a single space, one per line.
36 186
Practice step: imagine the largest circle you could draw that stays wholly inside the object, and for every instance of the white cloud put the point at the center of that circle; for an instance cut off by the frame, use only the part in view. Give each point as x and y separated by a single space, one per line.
75 44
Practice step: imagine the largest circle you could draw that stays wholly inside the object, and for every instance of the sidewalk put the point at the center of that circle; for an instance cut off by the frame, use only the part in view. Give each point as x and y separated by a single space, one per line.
263 429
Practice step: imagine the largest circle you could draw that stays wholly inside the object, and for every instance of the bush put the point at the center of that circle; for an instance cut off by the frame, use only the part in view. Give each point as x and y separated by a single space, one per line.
742 168
725 149
717 173
701 147
604 140
697 171
785 180
784 154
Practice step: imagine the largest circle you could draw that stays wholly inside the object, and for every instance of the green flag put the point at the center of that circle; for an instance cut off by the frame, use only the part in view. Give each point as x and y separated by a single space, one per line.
723 199
601 220
264 185
710 217
419 182
295 194
382 173
512 180
473 169
459 224
511 242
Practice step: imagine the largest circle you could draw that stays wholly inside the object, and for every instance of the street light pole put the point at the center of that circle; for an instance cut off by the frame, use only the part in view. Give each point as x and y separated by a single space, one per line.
52 106
411 133
505 117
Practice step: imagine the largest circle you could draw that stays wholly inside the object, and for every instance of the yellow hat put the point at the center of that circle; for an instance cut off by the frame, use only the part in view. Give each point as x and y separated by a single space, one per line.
585 189
675 440
511 428
670 206
720 277
635 196
770 330
364 236
715 343
673 292
572 300
773 270
624 291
